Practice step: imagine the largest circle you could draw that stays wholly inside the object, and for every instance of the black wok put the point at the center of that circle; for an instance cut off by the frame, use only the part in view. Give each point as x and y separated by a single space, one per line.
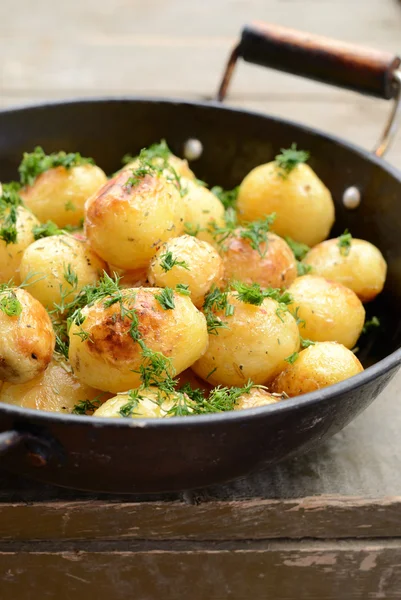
123 455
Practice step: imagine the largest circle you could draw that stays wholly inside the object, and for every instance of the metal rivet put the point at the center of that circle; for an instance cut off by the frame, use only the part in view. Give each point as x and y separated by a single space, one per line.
352 197
193 149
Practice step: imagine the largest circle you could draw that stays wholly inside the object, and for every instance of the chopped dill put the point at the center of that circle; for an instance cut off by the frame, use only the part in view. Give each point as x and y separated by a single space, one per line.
228 198
70 276
290 158
303 269
299 249
46 230
70 206
216 300
166 298
256 233
344 243
87 407
306 343
37 162
183 289
251 294
371 324
191 229
9 303
167 262
292 358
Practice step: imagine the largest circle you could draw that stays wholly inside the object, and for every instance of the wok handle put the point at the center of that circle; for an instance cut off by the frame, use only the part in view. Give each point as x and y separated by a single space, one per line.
371 72
40 450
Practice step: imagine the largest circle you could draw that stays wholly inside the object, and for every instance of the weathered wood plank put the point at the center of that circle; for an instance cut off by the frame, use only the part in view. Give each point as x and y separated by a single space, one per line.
319 517
277 571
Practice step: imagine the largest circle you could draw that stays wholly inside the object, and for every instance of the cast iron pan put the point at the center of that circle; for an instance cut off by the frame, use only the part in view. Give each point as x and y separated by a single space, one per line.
124 455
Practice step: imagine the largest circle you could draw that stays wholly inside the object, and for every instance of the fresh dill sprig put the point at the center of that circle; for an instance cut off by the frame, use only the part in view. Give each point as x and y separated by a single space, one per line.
9 303
128 409
344 243
167 262
256 233
289 158
46 230
10 200
299 249
192 229
306 343
166 298
292 358
37 162
70 276
371 324
183 289
216 300
8 229
303 269
87 407
249 293
228 198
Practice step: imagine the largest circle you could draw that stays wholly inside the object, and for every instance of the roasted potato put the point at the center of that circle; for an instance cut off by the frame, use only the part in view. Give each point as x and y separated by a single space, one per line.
152 403
189 261
303 205
271 265
253 344
54 390
27 337
130 279
327 311
59 194
202 208
180 165
104 351
127 222
11 253
256 397
62 266
316 367
360 267
188 376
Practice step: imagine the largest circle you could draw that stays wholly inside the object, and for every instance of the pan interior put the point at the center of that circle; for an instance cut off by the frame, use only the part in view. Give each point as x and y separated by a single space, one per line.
234 142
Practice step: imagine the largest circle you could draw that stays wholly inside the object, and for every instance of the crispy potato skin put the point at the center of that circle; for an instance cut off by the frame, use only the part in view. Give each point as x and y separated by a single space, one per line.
316 367
202 208
110 357
11 254
275 265
205 267
54 390
59 194
154 404
253 346
363 269
303 205
49 258
332 312
256 397
125 225
26 342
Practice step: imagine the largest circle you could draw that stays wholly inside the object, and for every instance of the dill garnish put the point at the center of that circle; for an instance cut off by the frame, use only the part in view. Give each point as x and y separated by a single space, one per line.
37 162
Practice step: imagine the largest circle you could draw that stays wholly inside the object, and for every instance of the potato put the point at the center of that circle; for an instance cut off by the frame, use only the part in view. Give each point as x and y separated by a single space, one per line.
126 224
130 279
303 205
59 194
27 337
152 403
253 346
317 367
180 165
256 397
11 254
104 354
201 209
187 260
54 390
273 265
329 312
62 266
362 269
188 376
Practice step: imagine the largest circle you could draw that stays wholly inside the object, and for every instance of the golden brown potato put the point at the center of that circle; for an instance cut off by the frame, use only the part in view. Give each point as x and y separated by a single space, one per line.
104 353
62 265
328 311
255 398
361 267
59 194
54 390
130 279
253 345
152 403
180 165
11 254
316 367
189 261
273 265
27 338
201 209
188 376
126 224
303 205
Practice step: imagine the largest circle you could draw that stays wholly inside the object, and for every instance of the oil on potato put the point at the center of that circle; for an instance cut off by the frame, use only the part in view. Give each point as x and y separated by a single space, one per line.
256 397
11 254
327 310
361 267
316 367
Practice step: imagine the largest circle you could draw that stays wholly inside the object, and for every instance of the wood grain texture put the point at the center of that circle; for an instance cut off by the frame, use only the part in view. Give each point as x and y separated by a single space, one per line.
277 571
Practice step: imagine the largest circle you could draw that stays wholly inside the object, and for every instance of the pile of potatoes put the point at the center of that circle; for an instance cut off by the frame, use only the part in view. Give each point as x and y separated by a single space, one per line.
289 328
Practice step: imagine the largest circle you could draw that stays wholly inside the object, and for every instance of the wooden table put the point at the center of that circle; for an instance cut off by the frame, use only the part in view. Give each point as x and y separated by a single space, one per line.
326 526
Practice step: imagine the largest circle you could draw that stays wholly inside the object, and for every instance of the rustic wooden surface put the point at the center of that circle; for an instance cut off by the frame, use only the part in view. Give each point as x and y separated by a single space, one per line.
325 526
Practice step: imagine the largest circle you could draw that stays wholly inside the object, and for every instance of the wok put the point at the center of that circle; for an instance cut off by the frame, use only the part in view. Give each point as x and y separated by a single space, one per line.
128 455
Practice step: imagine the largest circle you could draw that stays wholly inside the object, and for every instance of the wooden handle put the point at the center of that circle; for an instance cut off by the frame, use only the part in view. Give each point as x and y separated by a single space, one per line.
322 59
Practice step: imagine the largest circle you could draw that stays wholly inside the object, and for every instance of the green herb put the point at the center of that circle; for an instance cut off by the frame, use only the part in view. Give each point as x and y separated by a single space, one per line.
290 158
9 303
167 262
251 294
228 198
154 161
84 407
371 324
8 229
191 229
183 289
46 230
37 162
155 151
166 298
299 249
300 322
303 269
216 300
344 243
128 409
306 343
70 206
139 174
70 276
221 232
156 369
256 233
292 358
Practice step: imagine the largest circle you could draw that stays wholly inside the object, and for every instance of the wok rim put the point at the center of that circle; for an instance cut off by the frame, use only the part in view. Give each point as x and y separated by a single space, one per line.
386 364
